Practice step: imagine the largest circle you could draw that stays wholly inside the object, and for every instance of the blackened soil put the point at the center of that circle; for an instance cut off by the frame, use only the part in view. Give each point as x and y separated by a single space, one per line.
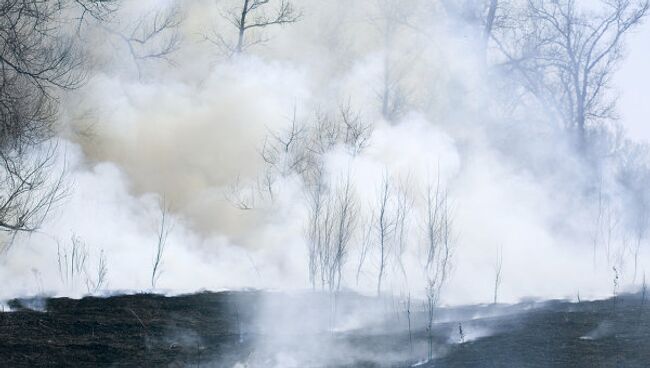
608 333
141 330
225 330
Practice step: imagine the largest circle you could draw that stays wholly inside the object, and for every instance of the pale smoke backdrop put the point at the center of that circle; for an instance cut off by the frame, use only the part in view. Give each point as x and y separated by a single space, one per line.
191 129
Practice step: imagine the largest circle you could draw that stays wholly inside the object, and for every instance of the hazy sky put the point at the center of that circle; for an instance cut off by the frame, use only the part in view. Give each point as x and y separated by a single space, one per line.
633 84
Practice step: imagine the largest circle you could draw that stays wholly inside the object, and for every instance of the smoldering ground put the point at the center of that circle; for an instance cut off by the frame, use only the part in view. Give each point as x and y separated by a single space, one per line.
192 126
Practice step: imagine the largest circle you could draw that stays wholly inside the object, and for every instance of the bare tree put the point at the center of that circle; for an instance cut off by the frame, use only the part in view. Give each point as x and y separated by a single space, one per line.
164 228
318 230
356 131
285 152
640 232
242 195
365 246
333 211
483 16
598 220
386 232
489 25
299 148
39 60
254 15
98 10
393 17
72 260
153 36
384 227
632 179
404 203
565 56
608 226
346 223
333 223
29 189
611 228
437 245
95 283
498 264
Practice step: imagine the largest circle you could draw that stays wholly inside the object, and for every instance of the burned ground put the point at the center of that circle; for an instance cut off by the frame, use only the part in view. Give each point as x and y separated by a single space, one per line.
229 328
141 330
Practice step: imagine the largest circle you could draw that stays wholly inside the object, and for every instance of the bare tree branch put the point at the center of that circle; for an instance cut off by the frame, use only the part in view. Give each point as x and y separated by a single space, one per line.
164 228
252 15
565 56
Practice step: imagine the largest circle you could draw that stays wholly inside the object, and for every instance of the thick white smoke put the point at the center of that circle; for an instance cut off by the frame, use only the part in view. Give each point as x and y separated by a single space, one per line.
192 131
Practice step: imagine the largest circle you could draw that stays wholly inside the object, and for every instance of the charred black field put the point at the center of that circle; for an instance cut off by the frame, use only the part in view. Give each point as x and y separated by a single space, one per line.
254 329
337 173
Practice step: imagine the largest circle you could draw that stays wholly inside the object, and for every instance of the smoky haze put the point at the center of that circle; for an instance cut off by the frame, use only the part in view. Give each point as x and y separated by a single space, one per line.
183 120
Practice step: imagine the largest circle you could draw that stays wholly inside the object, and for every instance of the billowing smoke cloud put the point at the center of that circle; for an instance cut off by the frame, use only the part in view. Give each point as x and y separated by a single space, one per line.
191 131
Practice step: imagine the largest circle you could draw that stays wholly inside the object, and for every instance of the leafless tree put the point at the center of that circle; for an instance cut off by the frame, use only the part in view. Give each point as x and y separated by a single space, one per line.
98 10
611 228
565 56
320 233
153 36
299 148
29 188
437 246
333 211
608 226
640 236
346 213
40 60
598 219
633 174
498 276
252 17
384 227
318 230
356 132
482 16
241 195
162 233
490 18
385 232
285 152
404 203
332 226
95 283
365 246
72 260
38 279
393 16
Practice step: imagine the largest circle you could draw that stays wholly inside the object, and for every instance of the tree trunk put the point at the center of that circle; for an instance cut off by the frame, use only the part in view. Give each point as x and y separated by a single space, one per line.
489 23
242 28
